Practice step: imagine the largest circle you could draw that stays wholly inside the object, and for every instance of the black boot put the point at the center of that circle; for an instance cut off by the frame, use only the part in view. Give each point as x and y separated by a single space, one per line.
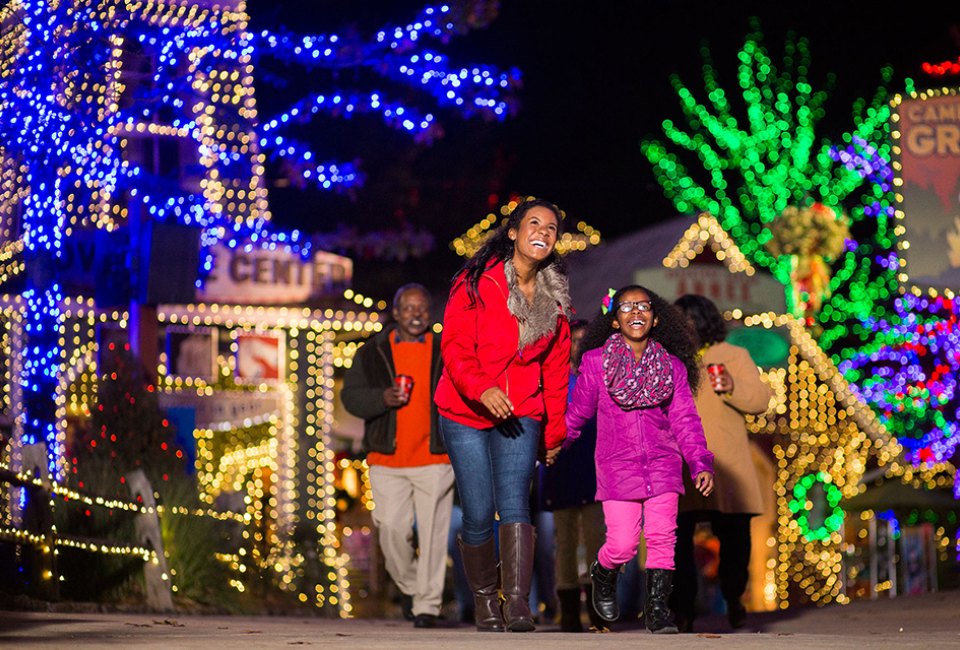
570 610
656 613
736 614
605 591
597 624
516 574
480 567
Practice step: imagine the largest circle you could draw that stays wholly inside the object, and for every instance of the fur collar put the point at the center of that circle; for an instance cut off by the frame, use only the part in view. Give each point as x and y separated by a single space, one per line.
551 299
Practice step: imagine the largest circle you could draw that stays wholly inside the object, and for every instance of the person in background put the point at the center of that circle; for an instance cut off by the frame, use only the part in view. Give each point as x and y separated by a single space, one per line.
410 474
733 390
502 397
638 376
568 488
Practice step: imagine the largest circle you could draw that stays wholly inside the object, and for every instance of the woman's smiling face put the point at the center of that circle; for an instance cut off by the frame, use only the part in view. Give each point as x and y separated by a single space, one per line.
634 316
536 235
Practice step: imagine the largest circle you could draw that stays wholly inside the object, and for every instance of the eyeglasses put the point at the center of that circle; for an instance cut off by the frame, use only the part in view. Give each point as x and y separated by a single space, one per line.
640 305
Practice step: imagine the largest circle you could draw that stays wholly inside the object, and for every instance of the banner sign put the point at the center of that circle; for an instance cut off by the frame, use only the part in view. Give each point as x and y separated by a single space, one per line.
273 277
227 410
751 294
927 133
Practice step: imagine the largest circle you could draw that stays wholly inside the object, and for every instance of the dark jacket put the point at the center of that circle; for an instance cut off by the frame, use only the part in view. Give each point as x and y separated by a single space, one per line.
370 375
572 479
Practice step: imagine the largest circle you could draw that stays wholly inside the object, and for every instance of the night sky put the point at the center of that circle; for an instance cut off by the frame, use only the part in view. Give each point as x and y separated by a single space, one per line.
596 80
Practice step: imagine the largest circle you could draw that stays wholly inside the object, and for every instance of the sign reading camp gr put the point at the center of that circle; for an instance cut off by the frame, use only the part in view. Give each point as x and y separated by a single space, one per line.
274 277
926 129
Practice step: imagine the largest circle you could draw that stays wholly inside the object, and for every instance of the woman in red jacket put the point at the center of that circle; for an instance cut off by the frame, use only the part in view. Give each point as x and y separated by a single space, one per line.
506 356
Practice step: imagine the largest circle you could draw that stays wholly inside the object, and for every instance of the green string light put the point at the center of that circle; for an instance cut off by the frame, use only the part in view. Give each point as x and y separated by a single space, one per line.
746 168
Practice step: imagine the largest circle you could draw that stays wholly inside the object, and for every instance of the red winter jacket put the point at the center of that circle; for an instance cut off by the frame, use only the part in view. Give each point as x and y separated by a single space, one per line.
479 351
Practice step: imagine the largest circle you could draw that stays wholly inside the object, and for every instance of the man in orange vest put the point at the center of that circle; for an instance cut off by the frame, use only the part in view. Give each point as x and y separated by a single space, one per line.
390 385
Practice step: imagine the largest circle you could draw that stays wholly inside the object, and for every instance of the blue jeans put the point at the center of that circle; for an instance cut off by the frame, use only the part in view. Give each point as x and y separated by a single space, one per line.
494 469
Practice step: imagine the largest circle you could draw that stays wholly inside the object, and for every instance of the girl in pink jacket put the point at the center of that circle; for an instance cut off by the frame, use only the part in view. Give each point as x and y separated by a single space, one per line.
638 377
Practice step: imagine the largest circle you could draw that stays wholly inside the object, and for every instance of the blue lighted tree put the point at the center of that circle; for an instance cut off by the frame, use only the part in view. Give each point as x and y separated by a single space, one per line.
97 99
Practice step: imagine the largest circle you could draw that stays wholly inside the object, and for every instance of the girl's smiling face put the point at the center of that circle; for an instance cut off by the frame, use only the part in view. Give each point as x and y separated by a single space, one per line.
536 235
634 315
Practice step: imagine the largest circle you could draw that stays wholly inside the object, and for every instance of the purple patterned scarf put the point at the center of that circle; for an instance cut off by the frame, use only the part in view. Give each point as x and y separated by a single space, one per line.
636 384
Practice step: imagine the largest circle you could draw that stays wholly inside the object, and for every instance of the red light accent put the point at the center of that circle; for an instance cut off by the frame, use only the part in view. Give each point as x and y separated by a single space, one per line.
942 69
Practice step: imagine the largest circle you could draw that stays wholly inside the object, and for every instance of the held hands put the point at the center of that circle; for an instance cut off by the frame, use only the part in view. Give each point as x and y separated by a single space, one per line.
394 398
552 454
497 403
705 483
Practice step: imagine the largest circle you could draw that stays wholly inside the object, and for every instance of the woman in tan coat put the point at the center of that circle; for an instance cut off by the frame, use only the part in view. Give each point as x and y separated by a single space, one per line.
731 389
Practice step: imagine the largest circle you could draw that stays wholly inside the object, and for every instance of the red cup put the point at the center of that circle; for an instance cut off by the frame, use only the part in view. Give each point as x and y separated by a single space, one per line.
715 370
405 384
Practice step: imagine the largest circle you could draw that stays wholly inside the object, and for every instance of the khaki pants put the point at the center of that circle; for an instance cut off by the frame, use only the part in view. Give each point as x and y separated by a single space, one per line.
403 495
571 526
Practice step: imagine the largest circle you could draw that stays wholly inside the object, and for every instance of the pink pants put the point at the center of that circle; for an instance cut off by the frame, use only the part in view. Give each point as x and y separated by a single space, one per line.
656 517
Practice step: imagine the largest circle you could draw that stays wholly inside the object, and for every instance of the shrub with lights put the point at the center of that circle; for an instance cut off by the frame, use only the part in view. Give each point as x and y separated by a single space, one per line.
747 167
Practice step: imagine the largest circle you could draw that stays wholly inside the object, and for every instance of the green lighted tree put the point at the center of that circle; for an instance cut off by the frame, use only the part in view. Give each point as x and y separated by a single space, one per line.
746 163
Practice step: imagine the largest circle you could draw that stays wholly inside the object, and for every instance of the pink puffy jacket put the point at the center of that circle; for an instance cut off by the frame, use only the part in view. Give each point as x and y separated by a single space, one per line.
640 452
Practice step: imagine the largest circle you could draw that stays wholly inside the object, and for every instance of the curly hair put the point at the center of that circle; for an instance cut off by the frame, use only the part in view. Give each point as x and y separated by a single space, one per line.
707 319
670 331
499 247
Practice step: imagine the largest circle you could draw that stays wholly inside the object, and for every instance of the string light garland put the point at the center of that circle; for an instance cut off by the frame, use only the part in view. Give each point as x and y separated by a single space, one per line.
943 69
801 505
704 232
140 74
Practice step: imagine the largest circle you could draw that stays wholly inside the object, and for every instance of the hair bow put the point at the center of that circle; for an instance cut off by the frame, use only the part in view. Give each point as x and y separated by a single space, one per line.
607 303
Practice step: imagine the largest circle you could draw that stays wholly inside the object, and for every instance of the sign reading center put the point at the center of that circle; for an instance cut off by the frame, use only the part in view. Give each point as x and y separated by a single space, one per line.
271 277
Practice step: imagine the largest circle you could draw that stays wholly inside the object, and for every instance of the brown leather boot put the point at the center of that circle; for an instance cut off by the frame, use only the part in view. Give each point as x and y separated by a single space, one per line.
516 574
480 566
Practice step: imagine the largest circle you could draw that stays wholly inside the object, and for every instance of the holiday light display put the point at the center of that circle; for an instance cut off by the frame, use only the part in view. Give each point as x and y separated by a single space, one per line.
910 375
755 168
701 234
942 69
121 71
824 438
116 112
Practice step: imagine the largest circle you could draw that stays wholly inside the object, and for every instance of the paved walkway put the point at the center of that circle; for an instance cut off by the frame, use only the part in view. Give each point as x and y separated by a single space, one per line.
918 622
